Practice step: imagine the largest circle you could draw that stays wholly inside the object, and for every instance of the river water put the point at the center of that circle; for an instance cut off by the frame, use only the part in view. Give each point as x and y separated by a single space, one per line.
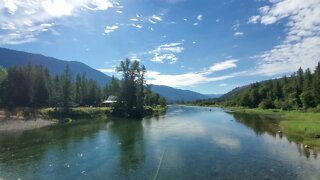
185 143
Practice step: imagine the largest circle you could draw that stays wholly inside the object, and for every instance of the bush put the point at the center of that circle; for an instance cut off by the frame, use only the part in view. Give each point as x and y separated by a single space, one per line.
266 104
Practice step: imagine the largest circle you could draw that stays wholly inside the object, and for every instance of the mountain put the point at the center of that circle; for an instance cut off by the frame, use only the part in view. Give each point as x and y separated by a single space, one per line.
174 95
212 96
55 66
234 92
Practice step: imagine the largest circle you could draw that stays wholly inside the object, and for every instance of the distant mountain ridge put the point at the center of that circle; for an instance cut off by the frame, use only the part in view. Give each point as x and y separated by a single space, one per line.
173 94
55 66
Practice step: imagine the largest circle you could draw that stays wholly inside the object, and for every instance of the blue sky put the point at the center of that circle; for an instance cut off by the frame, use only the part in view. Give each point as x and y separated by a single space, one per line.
209 46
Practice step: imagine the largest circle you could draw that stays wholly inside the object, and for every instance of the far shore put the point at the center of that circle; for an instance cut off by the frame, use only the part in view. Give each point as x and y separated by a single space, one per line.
12 124
16 122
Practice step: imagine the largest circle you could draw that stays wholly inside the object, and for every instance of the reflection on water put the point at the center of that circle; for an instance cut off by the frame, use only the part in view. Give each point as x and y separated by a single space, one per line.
130 141
264 124
190 143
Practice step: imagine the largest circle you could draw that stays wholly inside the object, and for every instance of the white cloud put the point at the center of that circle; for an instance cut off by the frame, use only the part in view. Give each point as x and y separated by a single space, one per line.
254 19
110 29
137 26
181 80
134 19
108 70
155 17
301 46
22 21
236 26
119 11
238 33
191 78
228 64
167 52
199 19
134 57
153 22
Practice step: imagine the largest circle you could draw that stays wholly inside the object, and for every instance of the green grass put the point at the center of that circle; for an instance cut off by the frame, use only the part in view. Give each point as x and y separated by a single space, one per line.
302 127
76 113
155 110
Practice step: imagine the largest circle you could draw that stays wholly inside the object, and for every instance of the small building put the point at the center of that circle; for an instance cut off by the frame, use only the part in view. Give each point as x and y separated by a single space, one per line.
110 100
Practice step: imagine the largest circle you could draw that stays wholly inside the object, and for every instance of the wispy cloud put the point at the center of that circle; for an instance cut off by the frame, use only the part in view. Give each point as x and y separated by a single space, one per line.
223 65
167 52
108 70
191 78
181 80
254 19
110 29
24 20
238 33
199 19
301 46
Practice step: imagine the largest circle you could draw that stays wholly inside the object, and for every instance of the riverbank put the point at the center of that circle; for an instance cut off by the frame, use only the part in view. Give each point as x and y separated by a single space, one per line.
303 127
23 119
19 121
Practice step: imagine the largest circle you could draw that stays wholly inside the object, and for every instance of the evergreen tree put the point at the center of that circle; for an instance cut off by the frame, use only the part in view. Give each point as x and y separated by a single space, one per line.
3 81
66 90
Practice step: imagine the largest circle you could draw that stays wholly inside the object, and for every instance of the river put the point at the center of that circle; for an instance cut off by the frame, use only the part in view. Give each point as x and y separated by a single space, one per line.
185 143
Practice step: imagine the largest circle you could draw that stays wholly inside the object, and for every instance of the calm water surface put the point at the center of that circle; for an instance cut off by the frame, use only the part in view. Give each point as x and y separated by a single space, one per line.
185 143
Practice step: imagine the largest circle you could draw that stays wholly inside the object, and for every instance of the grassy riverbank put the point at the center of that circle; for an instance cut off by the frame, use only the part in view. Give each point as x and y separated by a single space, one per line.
26 119
303 127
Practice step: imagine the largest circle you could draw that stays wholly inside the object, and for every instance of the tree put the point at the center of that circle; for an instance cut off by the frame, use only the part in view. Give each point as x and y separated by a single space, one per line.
40 97
66 90
127 101
3 81
307 99
266 104
112 88
245 100
316 85
19 87
78 90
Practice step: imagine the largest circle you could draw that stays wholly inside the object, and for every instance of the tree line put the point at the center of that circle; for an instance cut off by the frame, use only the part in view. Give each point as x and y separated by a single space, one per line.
32 86
301 90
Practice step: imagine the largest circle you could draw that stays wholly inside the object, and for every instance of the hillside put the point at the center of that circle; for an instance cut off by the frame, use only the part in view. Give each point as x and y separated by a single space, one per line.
55 66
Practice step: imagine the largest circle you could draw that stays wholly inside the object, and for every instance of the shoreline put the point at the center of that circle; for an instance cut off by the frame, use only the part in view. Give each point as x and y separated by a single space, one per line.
17 125
303 127
46 116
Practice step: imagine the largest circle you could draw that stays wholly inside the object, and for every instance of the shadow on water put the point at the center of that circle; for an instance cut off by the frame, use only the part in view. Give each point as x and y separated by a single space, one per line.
268 124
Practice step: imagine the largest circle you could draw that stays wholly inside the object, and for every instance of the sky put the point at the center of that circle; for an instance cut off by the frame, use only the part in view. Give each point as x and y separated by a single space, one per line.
208 46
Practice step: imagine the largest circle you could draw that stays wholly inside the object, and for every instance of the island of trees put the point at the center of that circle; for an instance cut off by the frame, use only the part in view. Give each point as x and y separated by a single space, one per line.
32 86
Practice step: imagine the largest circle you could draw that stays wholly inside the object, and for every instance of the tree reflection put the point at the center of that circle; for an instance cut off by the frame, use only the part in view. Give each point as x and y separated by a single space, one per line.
262 124
130 140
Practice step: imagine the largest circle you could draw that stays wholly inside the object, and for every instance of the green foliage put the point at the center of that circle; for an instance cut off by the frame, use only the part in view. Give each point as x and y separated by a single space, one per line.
299 91
3 78
32 86
131 92
266 104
